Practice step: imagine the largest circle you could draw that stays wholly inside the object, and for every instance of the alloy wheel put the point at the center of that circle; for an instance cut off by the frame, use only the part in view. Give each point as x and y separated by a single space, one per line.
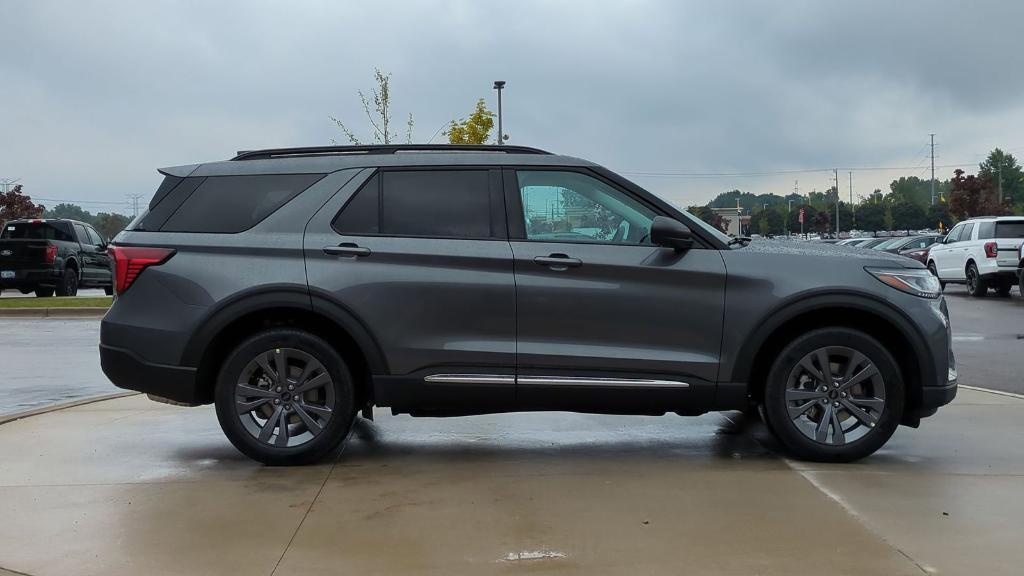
835 395
284 397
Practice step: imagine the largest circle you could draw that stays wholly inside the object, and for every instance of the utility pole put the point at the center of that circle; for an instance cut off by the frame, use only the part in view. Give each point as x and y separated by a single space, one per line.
6 183
836 172
933 167
1000 199
133 202
853 209
499 85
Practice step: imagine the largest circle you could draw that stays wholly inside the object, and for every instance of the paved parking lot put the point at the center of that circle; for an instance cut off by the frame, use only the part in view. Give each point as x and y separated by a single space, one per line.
129 486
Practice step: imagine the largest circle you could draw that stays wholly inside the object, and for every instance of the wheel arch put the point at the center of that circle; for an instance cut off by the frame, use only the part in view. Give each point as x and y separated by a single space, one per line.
887 324
280 306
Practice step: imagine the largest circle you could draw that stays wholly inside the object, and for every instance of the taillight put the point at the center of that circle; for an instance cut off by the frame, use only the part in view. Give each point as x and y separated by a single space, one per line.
51 253
991 249
130 261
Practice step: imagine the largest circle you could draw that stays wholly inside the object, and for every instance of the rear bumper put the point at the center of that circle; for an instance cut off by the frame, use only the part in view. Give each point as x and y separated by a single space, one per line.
30 278
126 370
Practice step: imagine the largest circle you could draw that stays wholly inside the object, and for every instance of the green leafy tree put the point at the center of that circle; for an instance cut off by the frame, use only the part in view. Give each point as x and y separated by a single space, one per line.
16 204
907 215
109 225
69 211
1003 167
476 129
871 217
916 190
377 108
768 222
938 216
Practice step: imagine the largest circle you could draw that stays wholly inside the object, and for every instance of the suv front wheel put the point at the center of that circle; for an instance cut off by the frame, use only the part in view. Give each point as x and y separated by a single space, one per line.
285 397
834 395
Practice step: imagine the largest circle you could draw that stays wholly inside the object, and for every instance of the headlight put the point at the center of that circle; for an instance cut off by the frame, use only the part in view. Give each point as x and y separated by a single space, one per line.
918 282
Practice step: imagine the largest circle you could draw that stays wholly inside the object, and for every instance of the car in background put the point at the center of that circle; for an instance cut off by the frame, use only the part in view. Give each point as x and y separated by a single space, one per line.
872 242
981 253
907 243
855 241
53 255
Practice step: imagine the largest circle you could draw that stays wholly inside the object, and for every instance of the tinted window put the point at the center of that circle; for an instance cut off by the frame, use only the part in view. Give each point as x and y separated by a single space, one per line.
166 186
361 215
94 237
968 230
83 237
439 203
1010 229
228 204
986 230
954 234
37 231
574 207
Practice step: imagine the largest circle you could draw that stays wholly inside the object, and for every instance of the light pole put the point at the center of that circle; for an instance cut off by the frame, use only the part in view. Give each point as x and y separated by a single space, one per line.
499 85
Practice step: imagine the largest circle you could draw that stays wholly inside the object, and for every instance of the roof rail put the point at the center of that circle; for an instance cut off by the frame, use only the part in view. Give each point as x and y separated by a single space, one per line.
381 149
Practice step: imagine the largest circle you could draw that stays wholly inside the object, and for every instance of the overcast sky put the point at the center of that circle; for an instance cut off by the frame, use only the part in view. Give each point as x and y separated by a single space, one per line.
97 95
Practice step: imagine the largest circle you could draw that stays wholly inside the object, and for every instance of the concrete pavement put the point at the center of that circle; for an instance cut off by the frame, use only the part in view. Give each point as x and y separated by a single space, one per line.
128 486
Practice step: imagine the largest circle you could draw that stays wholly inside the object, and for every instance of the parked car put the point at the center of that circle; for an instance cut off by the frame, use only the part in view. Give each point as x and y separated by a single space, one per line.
48 256
294 287
872 242
981 253
899 245
855 241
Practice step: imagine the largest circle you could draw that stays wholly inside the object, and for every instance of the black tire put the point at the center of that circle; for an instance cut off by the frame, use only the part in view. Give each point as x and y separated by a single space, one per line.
935 272
1020 281
866 438
108 290
976 285
68 285
44 291
239 428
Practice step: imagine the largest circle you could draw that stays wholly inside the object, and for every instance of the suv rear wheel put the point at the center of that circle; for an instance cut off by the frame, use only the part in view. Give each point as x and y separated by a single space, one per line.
976 285
285 397
834 395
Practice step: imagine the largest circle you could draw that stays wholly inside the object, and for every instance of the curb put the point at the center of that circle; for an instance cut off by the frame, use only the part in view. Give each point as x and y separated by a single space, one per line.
66 312
62 406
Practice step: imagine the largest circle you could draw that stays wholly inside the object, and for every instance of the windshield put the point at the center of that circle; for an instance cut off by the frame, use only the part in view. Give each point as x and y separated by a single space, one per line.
889 243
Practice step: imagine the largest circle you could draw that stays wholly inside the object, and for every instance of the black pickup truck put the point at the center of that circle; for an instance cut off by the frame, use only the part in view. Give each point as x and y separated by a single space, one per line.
46 256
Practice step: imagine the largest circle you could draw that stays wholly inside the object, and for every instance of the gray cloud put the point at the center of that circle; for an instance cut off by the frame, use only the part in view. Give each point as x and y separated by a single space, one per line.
98 95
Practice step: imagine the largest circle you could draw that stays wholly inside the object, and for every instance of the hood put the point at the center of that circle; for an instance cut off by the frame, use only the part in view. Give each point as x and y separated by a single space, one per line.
866 256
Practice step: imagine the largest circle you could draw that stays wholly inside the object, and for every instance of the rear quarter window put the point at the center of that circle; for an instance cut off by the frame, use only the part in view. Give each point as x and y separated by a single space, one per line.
231 204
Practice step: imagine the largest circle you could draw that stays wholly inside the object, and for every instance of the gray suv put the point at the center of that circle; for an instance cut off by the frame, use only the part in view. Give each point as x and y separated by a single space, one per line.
294 288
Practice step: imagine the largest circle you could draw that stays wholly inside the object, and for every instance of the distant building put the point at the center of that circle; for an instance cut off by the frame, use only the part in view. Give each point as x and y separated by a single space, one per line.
736 221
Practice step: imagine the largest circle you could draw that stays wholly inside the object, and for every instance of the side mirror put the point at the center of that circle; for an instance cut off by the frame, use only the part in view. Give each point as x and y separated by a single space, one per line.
671 233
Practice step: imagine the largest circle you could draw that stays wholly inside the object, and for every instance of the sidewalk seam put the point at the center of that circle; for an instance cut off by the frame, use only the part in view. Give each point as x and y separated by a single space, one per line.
63 406
991 391
305 515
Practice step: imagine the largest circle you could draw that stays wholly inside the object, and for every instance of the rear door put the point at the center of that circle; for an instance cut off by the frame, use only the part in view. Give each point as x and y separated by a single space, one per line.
606 321
420 258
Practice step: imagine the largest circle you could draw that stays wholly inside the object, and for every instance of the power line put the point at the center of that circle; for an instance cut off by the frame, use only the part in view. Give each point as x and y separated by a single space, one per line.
78 201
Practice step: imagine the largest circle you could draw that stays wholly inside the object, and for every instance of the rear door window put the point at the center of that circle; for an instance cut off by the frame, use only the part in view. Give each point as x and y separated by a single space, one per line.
436 203
1010 229
230 204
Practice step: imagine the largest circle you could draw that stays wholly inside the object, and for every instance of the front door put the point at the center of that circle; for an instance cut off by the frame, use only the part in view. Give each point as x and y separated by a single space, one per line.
607 321
420 258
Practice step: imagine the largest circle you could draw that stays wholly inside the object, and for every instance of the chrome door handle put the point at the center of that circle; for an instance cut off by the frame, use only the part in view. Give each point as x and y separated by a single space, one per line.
558 261
346 249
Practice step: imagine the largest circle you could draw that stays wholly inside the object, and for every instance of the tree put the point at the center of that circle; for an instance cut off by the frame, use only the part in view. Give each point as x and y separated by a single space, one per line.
475 129
971 196
708 215
1003 168
380 117
916 191
14 204
821 221
793 220
938 216
768 222
110 224
69 211
871 217
907 215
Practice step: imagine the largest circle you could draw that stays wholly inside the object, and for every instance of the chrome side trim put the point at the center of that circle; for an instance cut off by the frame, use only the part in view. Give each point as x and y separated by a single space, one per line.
606 382
470 379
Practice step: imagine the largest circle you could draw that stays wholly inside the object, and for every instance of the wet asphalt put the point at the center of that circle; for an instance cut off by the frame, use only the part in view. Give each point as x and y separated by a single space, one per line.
44 361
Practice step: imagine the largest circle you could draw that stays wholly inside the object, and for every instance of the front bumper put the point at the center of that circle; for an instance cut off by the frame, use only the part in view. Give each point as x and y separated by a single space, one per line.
126 370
